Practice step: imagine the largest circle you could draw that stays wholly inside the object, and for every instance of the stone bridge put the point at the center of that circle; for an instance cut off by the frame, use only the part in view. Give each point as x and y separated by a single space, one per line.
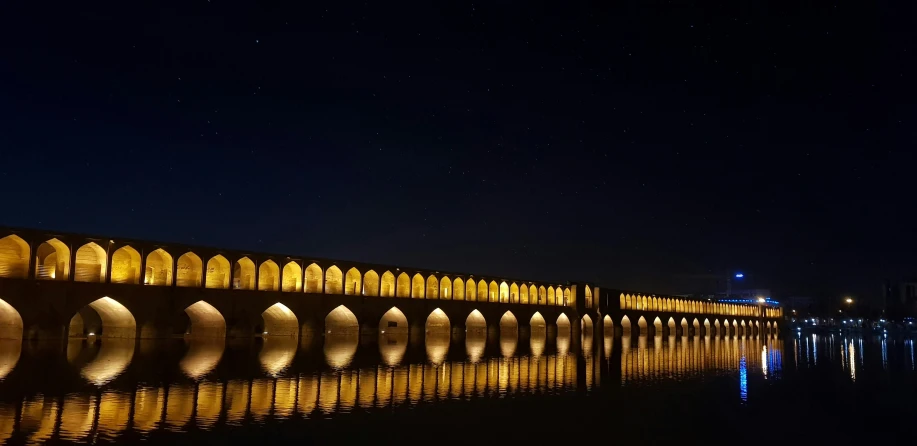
55 285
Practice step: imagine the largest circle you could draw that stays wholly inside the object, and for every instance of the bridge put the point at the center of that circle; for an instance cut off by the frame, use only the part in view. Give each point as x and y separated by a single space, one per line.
59 285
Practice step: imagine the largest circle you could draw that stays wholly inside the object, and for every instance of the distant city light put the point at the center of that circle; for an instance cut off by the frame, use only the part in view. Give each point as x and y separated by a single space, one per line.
739 275
848 300
761 300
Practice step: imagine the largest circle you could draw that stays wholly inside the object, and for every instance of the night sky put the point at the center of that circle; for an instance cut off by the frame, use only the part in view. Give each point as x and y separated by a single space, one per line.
633 144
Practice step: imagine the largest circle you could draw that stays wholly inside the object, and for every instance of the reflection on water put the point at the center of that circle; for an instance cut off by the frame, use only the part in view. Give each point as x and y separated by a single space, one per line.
277 354
392 346
111 389
680 358
102 360
202 356
340 348
9 355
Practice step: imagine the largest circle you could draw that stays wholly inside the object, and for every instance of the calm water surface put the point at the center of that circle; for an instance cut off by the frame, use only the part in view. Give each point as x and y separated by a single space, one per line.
800 389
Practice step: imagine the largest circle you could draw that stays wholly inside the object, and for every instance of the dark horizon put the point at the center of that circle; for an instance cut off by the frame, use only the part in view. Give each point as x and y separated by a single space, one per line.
628 145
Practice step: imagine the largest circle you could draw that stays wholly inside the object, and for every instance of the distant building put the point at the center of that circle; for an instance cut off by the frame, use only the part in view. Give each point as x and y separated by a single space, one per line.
900 298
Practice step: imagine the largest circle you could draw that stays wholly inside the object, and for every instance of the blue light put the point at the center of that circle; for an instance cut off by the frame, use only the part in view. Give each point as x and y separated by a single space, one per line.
739 275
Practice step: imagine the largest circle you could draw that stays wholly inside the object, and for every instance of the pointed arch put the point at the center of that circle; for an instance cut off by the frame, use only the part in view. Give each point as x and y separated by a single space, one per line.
11 324
567 298
445 288
563 325
334 280
417 286
314 279
475 323
217 272
404 285
158 268
641 325
494 292
587 295
243 274
116 320
504 292
657 326
189 273
533 295
91 264
352 282
672 326
268 276
291 277
125 265
279 320
550 295
371 283
537 325
205 321
14 257
586 325
514 296
341 321
509 326
52 260
433 287
626 329
438 323
542 295
388 285
482 291
458 289
523 294
393 322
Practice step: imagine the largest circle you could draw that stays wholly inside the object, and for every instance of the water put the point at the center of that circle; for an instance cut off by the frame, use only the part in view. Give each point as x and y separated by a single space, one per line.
803 389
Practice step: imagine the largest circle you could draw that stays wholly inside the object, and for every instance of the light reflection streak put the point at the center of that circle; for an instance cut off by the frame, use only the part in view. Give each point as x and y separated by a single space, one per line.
279 393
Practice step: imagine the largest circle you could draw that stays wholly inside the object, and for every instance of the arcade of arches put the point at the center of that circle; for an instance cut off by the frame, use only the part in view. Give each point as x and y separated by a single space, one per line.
126 265
61 258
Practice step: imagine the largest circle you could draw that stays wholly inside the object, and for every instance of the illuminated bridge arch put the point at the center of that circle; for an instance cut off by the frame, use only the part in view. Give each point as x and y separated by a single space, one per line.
393 322
563 325
291 277
352 282
433 287
279 320
509 326
341 321
10 322
625 326
268 276
334 280
243 274
158 268
437 323
114 320
217 276
205 321
52 260
475 323
538 325
189 273
14 257
371 283
314 283
388 285
417 286
445 288
404 286
91 264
